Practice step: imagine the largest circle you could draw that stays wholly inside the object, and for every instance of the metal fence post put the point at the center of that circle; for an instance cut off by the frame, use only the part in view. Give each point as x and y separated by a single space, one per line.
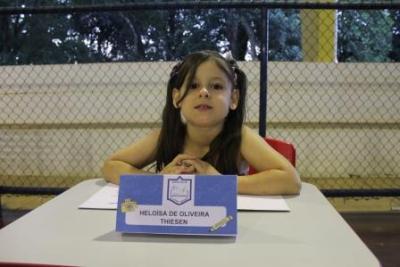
262 126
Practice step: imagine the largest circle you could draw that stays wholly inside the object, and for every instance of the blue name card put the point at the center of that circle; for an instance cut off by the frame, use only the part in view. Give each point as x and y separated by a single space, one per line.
178 204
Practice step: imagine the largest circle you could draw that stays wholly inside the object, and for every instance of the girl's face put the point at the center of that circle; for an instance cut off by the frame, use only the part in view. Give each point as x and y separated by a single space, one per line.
210 97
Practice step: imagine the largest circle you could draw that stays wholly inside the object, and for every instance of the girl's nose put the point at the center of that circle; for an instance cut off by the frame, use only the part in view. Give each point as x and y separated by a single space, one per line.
204 92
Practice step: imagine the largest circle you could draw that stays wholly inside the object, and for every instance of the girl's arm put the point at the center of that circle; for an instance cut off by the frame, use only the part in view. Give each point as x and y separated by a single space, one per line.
132 158
140 154
275 174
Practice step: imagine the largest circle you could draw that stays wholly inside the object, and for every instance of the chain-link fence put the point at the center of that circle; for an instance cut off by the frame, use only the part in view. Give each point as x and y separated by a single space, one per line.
79 82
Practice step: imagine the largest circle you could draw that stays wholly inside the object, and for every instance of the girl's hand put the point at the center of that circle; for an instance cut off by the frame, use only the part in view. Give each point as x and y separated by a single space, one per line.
179 166
200 166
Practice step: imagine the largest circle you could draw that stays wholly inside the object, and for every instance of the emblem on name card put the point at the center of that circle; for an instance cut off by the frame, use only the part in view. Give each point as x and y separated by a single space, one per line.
179 190
128 205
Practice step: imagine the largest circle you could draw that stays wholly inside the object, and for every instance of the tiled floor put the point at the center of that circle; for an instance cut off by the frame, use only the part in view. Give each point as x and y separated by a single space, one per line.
379 231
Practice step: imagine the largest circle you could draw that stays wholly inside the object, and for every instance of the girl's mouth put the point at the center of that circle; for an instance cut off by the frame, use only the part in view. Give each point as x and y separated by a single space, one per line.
203 107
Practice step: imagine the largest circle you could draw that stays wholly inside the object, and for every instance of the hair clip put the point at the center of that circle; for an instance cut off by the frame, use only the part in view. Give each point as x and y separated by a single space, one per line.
228 56
232 63
235 70
175 69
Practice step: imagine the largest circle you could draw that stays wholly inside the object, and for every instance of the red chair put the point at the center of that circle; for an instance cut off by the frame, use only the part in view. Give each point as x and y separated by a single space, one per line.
286 149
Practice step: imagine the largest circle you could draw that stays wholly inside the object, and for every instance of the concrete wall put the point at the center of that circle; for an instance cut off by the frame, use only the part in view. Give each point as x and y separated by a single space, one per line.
63 120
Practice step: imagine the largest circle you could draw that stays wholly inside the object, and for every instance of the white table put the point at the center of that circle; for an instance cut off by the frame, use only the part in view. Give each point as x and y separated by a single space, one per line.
312 234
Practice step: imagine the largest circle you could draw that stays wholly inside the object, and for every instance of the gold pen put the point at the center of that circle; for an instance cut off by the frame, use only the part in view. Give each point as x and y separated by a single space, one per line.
221 223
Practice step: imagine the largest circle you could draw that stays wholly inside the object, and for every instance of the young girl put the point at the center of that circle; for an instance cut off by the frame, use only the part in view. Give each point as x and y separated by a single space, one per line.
202 132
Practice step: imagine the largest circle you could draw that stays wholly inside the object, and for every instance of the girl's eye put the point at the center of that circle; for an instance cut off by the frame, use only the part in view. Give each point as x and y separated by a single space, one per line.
217 86
193 86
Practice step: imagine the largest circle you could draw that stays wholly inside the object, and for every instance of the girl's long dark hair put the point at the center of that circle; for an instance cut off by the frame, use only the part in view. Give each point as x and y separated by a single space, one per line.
225 148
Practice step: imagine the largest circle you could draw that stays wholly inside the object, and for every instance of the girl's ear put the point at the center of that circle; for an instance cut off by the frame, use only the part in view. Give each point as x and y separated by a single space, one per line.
234 99
176 96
